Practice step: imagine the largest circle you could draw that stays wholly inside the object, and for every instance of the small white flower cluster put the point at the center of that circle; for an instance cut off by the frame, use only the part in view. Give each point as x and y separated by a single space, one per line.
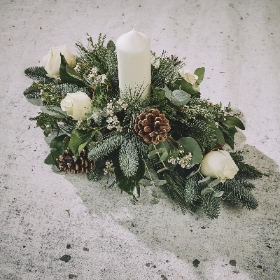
112 107
109 168
185 161
96 78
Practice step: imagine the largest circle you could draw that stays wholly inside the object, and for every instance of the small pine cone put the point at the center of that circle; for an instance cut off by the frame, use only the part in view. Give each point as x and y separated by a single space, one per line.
152 126
81 165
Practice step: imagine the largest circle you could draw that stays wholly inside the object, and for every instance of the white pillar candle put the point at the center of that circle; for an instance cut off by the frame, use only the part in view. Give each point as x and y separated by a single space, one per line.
134 62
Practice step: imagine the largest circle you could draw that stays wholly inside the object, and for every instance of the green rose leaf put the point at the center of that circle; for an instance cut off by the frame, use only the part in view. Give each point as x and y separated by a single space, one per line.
111 46
68 74
58 146
220 137
79 139
228 127
231 121
190 145
129 184
200 73
49 160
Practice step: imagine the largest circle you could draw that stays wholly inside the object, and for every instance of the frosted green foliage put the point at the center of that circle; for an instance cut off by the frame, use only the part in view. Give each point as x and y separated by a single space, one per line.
128 158
106 147
211 205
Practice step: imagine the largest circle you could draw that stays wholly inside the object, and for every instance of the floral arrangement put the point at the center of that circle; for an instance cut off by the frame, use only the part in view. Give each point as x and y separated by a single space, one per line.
172 137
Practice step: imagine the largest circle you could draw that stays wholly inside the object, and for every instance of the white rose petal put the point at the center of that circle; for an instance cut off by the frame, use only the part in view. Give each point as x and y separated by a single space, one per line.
219 164
189 76
77 105
51 62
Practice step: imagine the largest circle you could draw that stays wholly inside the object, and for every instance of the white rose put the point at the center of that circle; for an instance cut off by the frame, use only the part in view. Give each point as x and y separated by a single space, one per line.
77 105
51 62
189 76
219 164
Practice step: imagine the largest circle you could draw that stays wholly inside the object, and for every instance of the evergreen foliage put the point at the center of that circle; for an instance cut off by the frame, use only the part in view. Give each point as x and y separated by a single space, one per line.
211 205
165 69
106 147
238 191
33 92
37 73
124 138
203 132
128 158
246 171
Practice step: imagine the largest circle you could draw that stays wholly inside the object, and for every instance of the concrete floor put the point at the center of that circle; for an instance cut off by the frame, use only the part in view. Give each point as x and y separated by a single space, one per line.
56 226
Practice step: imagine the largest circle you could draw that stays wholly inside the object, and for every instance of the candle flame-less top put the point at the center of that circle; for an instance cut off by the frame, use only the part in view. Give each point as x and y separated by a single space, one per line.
134 62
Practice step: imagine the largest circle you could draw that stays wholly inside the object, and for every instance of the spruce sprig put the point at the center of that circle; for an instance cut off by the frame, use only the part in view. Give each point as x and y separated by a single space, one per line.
104 148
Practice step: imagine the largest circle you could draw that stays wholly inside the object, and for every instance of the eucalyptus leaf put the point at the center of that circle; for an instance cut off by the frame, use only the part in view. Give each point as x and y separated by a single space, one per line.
214 183
177 97
204 181
190 145
187 87
206 191
219 194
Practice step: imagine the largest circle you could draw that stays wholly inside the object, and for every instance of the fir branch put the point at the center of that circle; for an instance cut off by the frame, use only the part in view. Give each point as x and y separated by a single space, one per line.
202 132
33 92
176 188
211 205
246 171
192 189
105 147
238 190
164 69
47 122
53 94
38 73
128 158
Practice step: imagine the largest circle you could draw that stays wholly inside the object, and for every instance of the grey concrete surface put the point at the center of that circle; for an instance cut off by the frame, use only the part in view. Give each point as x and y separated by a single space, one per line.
56 226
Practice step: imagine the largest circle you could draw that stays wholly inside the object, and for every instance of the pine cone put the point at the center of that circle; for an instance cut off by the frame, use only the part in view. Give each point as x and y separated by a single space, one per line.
81 165
152 126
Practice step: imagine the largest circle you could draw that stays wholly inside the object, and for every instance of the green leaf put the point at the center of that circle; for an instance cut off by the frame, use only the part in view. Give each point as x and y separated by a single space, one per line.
206 191
220 137
157 152
68 74
177 97
129 184
219 194
200 73
187 87
231 122
204 181
111 46
49 160
79 139
190 145
58 146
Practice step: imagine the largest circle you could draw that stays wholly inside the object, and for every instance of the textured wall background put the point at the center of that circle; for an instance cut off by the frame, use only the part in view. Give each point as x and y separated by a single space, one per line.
56 226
